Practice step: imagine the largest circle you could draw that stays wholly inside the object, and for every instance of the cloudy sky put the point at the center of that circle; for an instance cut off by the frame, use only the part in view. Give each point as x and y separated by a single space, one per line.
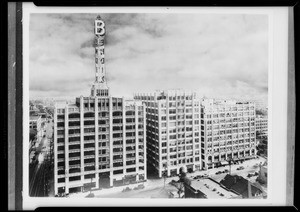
216 55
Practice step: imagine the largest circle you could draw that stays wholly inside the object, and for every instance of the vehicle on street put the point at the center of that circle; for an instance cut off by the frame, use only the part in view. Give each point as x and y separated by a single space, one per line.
240 168
126 189
141 186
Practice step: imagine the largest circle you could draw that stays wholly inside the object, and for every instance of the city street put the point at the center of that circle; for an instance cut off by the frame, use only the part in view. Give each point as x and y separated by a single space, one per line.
154 186
39 171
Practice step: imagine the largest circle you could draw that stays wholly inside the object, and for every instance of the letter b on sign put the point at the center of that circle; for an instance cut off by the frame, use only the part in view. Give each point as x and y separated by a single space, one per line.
99 27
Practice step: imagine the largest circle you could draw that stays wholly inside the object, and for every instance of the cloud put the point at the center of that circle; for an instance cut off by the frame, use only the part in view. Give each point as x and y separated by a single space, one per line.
222 55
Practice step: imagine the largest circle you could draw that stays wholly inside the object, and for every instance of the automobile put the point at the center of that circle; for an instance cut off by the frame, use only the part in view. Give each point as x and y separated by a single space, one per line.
91 195
218 172
240 168
172 182
141 186
126 189
226 171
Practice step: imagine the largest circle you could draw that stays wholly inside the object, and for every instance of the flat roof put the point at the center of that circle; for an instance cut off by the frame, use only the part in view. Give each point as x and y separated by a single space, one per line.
212 189
34 117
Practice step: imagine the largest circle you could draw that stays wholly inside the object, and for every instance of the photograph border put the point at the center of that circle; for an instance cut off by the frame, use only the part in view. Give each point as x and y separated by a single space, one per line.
15 97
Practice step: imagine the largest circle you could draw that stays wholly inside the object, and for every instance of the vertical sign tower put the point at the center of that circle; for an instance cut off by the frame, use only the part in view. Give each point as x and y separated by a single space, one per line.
99 88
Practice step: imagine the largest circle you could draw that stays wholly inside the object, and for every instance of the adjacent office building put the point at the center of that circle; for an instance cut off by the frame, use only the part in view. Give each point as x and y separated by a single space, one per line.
227 132
184 131
261 123
100 140
173 130
35 124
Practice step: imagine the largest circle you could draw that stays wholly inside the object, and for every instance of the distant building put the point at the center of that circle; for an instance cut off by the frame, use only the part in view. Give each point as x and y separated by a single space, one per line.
35 123
207 188
173 130
241 186
100 140
261 125
50 110
33 111
227 132
261 105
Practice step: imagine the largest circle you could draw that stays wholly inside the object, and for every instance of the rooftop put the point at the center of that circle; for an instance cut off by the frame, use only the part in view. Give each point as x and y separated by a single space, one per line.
33 118
212 189
239 185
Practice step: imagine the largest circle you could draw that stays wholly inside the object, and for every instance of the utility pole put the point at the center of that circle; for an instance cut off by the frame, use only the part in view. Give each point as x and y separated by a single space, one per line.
165 175
91 185
229 161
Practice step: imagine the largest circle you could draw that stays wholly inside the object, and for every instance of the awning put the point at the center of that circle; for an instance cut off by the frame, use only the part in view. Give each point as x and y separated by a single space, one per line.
224 163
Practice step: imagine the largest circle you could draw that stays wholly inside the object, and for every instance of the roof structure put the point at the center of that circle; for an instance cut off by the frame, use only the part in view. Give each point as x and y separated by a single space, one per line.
34 118
212 189
240 185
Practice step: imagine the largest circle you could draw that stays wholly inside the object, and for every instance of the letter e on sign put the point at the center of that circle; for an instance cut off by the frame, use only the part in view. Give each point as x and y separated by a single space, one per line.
99 27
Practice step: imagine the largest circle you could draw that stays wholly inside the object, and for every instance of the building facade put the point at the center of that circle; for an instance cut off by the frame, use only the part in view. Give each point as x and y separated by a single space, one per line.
100 140
261 124
35 124
184 131
227 131
173 130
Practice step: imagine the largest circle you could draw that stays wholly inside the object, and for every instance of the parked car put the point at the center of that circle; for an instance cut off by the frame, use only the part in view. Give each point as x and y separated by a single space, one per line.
126 189
240 168
141 186
226 171
218 172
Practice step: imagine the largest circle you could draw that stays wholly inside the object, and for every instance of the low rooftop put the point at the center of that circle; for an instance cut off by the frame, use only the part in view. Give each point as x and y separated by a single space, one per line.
33 118
239 185
212 189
